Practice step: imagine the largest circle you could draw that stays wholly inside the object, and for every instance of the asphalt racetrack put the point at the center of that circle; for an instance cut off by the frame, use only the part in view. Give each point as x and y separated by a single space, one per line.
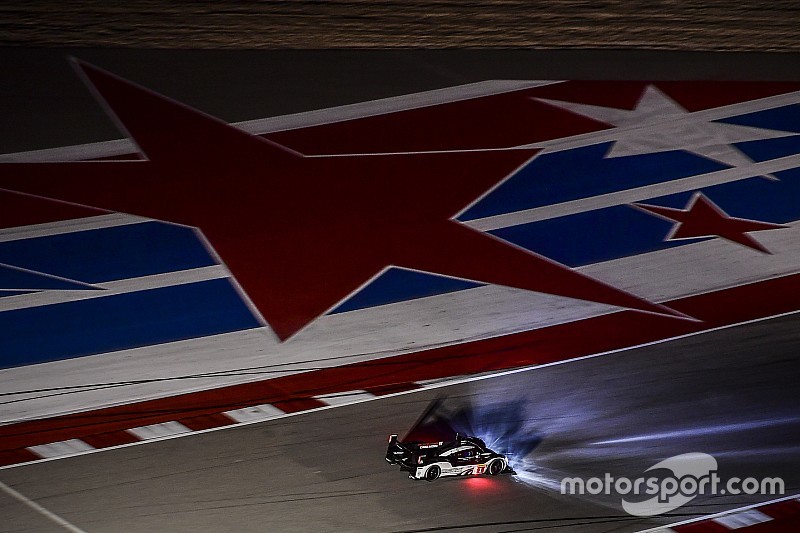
732 393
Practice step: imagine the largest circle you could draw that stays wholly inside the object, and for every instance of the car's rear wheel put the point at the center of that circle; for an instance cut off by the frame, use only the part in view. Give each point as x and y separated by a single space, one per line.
496 467
433 473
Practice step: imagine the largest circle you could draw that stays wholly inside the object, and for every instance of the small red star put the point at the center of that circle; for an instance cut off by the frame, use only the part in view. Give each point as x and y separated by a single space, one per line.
703 218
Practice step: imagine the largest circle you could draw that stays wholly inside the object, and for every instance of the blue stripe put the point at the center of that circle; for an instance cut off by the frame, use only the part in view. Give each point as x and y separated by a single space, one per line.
107 254
99 325
397 285
593 236
785 118
771 148
582 173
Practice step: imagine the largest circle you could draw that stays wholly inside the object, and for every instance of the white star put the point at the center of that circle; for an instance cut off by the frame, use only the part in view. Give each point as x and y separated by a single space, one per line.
659 124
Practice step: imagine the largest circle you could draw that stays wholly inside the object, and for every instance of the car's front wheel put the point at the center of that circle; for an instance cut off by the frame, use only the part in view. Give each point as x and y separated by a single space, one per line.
496 467
433 473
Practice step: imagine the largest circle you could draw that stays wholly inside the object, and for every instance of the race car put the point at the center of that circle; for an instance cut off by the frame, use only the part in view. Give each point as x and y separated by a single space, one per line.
463 456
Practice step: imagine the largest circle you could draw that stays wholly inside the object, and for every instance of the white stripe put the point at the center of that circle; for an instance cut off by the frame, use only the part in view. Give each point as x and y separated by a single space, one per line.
255 413
155 431
78 152
345 398
68 226
635 195
388 105
60 449
111 288
742 519
297 120
39 509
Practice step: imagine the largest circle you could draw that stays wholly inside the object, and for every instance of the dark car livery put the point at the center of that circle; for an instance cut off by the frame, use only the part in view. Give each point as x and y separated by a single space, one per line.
463 456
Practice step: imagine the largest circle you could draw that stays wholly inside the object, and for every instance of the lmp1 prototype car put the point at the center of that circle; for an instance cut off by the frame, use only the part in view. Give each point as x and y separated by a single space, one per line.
462 457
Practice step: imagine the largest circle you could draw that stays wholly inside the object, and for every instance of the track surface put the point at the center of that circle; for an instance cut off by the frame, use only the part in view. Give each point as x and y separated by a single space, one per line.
325 472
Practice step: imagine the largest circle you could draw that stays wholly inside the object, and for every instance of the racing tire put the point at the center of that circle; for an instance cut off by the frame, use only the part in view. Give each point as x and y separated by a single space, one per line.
433 473
495 467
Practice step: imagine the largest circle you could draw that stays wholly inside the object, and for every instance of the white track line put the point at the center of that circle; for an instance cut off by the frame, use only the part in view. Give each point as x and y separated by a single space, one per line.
157 431
39 509
111 288
62 448
255 413
716 516
345 398
385 106
742 519
69 226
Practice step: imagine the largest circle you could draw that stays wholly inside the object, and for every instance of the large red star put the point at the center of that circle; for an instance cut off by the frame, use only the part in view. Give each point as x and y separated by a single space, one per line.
300 234
703 218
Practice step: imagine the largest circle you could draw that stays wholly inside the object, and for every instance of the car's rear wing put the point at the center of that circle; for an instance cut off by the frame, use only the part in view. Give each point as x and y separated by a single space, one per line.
398 453
408 453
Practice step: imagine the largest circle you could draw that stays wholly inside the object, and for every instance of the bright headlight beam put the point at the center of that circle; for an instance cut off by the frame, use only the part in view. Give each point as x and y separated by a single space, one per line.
709 430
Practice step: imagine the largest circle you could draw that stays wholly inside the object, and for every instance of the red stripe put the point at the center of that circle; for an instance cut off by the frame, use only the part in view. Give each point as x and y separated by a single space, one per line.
22 210
775 526
106 440
12 457
199 423
785 525
297 405
784 509
556 343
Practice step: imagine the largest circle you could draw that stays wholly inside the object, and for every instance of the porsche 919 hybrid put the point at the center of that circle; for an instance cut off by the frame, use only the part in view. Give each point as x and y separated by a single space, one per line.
464 456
